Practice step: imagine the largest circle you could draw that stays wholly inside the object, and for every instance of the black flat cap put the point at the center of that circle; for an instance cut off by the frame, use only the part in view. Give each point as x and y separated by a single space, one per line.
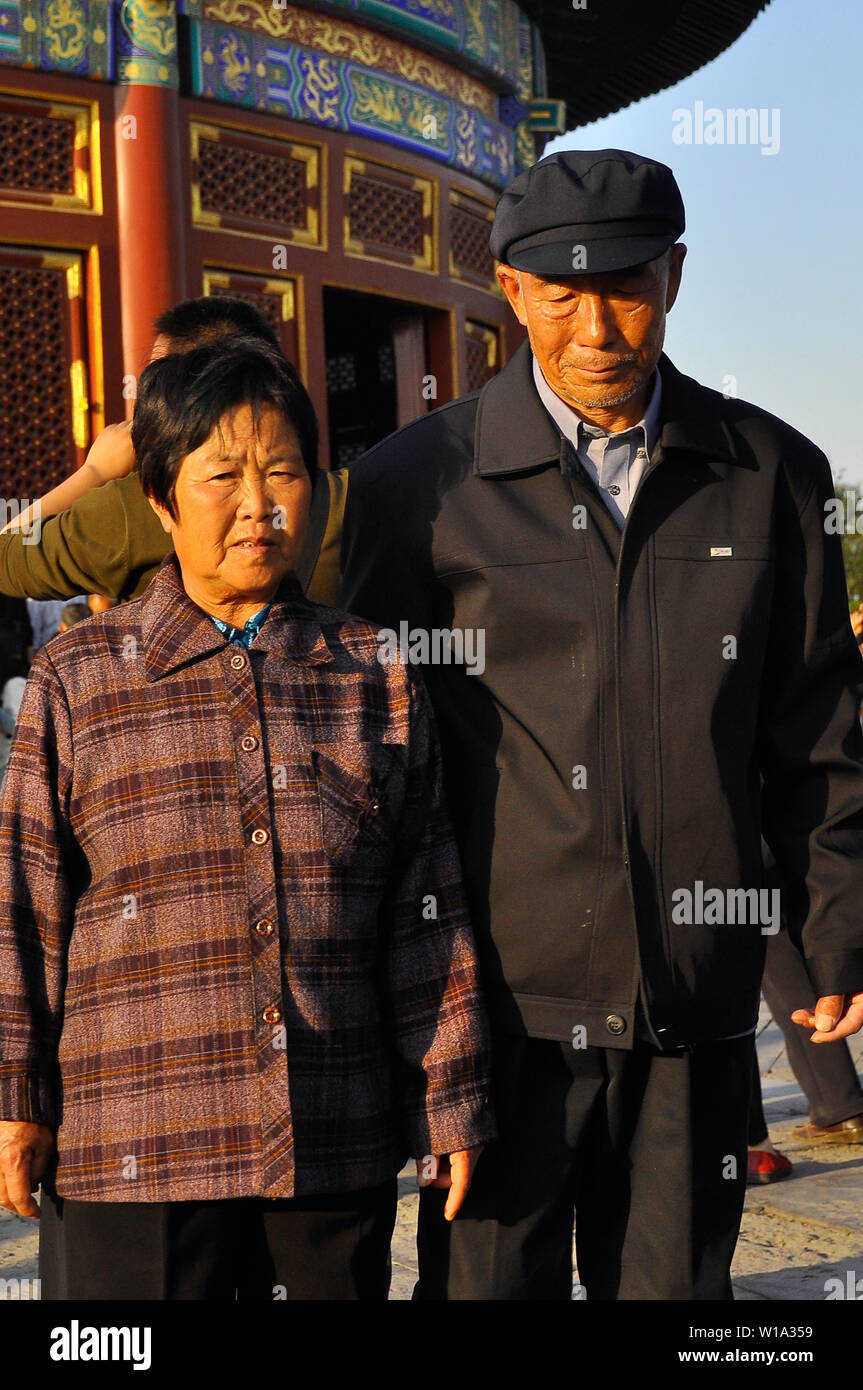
585 211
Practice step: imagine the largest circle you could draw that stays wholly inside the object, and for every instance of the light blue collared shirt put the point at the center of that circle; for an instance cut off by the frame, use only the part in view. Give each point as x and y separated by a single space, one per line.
615 461
245 635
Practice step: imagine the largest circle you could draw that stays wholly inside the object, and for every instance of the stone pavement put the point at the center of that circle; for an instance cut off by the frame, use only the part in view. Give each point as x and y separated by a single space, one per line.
796 1234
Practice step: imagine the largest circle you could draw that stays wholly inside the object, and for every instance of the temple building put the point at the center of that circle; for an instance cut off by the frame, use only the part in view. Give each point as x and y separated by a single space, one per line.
337 162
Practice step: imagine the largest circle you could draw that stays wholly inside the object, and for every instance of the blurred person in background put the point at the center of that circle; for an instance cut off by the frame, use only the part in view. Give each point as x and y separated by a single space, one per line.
74 613
99 603
16 638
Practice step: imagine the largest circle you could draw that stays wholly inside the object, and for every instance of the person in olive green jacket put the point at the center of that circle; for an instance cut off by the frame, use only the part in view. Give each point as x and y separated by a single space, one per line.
109 540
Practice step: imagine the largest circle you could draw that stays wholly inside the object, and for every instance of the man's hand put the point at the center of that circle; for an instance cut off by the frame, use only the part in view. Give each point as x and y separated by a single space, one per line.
453 1171
25 1152
111 454
836 1016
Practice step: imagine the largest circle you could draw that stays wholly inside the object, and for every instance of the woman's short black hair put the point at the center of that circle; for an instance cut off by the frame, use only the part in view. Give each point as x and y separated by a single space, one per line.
182 398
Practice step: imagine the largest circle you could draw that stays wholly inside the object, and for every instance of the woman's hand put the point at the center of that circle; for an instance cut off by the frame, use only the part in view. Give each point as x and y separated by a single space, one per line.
25 1152
453 1171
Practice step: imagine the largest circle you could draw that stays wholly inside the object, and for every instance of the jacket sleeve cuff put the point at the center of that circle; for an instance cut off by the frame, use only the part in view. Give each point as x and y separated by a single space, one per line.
27 1095
836 972
461 1126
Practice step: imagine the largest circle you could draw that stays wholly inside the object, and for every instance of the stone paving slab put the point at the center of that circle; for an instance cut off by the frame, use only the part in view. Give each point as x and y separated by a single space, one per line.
19 1249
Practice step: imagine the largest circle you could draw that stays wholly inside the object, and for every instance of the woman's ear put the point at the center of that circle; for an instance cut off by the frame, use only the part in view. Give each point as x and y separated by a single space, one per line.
165 517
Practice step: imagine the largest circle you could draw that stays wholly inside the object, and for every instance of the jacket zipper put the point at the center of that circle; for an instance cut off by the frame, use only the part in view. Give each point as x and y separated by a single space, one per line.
666 940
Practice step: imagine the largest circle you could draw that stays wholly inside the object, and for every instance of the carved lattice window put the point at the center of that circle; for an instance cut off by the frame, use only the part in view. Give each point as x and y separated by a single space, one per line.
388 215
250 184
246 182
469 232
273 297
36 153
38 330
393 217
45 152
481 354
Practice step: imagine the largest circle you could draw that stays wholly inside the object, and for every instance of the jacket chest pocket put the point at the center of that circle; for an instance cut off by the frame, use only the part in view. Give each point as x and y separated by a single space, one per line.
360 791
712 548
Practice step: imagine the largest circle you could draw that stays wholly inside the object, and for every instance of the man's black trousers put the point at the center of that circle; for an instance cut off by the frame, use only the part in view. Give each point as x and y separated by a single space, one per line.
645 1150
253 1249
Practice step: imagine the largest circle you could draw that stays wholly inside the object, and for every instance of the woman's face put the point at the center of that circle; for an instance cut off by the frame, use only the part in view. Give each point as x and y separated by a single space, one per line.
242 502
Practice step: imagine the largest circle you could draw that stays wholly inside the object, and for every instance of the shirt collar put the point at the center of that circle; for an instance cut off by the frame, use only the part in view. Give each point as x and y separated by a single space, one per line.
246 634
574 428
514 432
176 632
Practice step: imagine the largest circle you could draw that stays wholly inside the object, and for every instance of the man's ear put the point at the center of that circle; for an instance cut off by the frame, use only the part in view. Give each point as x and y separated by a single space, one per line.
676 257
510 283
165 517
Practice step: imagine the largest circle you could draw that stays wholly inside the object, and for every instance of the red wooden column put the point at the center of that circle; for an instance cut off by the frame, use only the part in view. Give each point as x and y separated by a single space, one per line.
151 241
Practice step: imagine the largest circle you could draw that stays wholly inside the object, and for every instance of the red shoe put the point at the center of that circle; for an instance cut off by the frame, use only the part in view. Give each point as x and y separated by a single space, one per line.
767 1167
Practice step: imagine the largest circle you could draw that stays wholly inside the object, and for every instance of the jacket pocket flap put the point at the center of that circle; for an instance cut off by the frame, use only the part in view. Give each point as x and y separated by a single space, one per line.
356 792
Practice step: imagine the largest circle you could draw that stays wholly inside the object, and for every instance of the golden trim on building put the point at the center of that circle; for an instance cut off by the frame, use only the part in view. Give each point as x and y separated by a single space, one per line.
95 340
80 403
343 39
489 336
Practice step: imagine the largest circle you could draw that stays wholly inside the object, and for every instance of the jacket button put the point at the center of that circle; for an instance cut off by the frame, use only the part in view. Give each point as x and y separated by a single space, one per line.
374 808
238 661
264 927
615 1024
260 837
272 1014
249 743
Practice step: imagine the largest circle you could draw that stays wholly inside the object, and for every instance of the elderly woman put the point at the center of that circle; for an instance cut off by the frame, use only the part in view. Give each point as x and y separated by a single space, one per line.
237 982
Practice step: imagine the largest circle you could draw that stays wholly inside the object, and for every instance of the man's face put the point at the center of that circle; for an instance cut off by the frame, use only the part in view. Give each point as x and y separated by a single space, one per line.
242 502
598 337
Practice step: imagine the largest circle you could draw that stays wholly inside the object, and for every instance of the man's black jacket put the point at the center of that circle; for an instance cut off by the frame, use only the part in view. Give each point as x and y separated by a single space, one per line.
638 685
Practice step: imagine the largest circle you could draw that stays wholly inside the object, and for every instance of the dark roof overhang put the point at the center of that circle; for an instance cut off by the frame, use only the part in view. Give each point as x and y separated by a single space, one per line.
613 52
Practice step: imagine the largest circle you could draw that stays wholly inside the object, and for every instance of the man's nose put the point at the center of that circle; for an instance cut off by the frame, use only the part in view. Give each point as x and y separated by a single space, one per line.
594 321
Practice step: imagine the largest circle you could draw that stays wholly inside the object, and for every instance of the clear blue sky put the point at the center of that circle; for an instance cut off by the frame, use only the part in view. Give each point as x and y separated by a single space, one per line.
772 288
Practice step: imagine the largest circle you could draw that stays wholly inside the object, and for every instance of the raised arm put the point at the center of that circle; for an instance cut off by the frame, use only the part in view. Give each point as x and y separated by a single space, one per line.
108 542
111 456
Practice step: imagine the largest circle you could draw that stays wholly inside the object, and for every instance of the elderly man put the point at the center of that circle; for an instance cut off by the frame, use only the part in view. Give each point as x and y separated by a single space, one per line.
665 626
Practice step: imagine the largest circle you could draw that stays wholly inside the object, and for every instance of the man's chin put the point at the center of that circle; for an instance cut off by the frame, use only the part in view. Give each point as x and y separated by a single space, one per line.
601 395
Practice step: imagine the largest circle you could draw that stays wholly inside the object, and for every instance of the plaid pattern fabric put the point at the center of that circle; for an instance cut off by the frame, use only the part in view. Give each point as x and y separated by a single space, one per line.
234 953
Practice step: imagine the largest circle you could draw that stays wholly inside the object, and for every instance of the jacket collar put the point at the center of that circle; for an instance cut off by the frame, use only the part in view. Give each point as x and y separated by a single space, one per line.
175 631
515 433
